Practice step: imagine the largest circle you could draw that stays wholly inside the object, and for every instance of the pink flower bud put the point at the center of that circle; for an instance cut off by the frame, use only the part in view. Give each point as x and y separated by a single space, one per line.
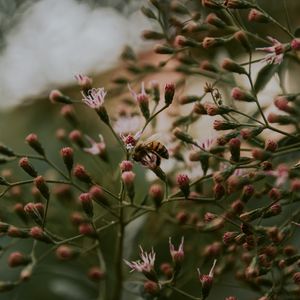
126 165
33 142
219 191
67 155
39 234
65 252
240 95
248 192
156 192
57 97
87 204
214 20
237 206
211 4
207 281
41 185
199 109
238 4
295 44
229 237
95 274
169 93
81 174
27 167
295 185
183 182
87 229
261 154
151 287
76 137
232 66
257 16
13 231
234 147
208 66
209 42
17 259
98 195
296 278
271 145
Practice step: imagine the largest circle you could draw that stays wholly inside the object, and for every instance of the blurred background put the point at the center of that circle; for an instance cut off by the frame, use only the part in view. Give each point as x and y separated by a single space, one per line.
43 44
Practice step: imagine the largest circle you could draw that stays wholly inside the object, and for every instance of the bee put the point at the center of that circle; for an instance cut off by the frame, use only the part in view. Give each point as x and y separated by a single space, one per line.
149 153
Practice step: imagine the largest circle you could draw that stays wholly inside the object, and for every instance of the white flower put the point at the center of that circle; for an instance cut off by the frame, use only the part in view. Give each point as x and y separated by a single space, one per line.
94 98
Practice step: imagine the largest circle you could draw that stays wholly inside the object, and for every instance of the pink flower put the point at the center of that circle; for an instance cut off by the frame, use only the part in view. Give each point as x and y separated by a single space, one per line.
128 129
139 97
96 148
145 265
94 98
84 81
276 51
177 255
281 174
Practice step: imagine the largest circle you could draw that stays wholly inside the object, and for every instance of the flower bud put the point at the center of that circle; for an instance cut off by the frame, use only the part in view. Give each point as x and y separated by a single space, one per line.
295 44
163 49
76 137
208 66
95 274
87 204
248 192
126 165
229 237
65 252
183 182
16 232
280 119
240 95
39 234
232 66
234 148
27 167
35 211
17 259
223 125
85 82
152 35
143 102
241 37
211 4
251 215
182 135
274 210
68 112
156 193
67 156
238 4
257 16
169 93
81 174
296 278
219 191
97 194
57 97
271 145
42 187
4 150
261 154
209 42
151 287
34 143
214 20
128 179
87 229
199 109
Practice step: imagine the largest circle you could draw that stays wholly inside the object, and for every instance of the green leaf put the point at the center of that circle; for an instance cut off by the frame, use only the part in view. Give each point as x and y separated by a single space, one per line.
264 76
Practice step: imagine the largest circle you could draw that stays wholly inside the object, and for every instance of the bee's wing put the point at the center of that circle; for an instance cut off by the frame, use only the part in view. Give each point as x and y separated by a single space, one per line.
152 138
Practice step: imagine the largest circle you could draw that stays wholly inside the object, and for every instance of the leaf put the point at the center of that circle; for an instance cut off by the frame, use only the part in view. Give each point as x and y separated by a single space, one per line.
264 76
